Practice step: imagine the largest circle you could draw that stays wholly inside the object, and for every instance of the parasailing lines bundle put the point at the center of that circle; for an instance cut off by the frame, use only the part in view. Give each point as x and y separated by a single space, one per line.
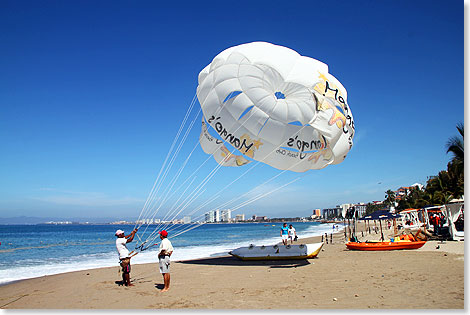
260 106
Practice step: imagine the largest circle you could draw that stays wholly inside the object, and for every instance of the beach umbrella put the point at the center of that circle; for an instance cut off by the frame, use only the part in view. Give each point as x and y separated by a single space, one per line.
380 215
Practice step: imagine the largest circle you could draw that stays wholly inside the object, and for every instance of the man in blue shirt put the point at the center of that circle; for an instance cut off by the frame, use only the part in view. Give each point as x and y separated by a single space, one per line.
284 233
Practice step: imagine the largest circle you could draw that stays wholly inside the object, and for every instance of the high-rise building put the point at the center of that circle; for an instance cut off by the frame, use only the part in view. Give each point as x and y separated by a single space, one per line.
331 213
212 216
186 219
225 215
240 217
360 209
316 213
209 217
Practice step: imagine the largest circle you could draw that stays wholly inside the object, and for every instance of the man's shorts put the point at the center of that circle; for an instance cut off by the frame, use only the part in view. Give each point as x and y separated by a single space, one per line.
284 237
164 264
126 265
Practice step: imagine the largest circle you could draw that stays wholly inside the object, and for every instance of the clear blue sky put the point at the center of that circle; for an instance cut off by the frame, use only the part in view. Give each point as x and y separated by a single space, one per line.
93 92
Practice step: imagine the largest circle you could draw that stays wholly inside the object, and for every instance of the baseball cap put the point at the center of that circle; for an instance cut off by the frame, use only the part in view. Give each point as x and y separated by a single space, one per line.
119 232
163 233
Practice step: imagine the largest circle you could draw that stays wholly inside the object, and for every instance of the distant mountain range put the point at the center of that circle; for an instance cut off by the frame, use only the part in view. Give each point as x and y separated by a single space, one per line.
39 220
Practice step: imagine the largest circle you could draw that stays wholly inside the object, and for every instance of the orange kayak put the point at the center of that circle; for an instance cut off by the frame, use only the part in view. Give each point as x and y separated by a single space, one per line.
384 245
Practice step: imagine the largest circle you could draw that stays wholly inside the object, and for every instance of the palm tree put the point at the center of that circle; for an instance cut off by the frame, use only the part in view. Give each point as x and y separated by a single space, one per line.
455 145
390 197
443 188
418 198
456 179
455 168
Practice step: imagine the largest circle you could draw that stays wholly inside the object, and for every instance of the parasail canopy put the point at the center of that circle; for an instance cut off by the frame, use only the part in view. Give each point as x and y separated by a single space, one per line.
268 103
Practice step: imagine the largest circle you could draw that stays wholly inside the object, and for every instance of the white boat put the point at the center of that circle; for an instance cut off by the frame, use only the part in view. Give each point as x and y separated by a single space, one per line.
276 252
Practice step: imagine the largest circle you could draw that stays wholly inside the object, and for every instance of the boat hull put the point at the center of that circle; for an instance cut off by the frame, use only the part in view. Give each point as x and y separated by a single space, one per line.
278 252
384 245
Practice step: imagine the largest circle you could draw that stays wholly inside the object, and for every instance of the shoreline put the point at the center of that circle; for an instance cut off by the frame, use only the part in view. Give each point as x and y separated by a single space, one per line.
336 279
109 259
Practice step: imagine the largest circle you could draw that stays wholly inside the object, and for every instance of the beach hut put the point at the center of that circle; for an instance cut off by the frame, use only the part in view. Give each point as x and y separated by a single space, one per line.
412 219
455 219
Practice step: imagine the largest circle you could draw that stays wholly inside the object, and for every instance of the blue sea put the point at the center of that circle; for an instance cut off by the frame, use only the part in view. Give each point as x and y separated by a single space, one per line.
28 251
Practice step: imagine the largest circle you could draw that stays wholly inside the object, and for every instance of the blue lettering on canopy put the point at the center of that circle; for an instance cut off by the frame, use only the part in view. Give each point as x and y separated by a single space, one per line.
232 95
279 95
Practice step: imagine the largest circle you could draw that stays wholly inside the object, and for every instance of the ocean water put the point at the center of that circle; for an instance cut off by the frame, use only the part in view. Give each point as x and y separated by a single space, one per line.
28 251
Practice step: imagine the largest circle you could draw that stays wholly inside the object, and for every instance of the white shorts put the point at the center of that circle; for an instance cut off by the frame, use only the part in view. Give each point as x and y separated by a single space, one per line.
284 237
164 263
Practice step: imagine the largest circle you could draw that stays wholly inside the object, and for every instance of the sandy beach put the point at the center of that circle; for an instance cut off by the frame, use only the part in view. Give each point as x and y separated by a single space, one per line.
431 277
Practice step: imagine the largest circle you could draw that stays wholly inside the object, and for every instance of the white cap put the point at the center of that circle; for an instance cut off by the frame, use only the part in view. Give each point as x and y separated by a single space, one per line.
119 232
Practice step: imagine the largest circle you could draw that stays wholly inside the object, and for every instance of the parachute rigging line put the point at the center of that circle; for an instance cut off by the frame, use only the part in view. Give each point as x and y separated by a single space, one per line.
168 154
244 203
176 153
206 180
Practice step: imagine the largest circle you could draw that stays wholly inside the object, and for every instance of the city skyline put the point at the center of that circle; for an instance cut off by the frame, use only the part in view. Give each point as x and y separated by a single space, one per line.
222 216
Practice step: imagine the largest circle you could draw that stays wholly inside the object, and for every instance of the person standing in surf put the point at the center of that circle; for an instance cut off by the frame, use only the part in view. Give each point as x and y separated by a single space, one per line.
124 258
284 233
164 253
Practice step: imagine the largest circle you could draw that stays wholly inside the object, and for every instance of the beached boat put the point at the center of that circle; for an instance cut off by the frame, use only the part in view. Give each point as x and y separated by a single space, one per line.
385 245
276 252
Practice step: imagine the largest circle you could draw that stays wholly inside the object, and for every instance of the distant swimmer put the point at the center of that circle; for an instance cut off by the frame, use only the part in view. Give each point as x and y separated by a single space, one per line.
124 258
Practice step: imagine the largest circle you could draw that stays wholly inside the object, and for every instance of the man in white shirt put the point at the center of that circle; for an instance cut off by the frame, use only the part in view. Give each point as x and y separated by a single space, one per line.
292 234
164 253
124 259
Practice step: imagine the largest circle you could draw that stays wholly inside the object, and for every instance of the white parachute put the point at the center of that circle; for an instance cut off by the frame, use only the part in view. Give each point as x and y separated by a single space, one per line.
274 106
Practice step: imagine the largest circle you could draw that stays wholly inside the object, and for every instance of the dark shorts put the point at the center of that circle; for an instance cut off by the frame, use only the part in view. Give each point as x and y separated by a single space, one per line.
125 265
